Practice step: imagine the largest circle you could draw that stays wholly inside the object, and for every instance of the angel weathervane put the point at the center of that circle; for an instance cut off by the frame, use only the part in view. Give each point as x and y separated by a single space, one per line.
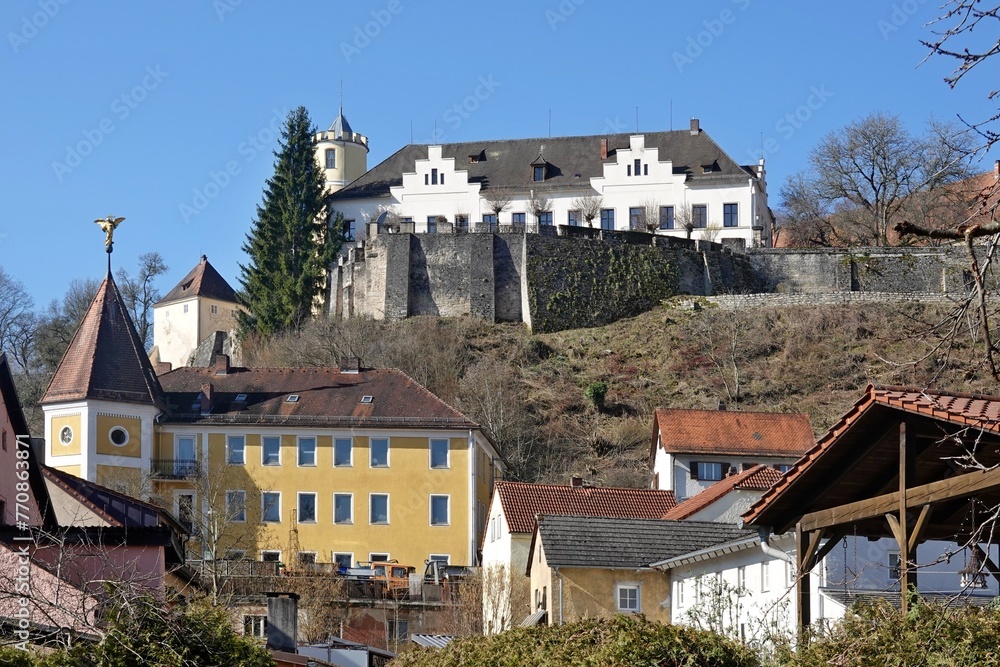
108 225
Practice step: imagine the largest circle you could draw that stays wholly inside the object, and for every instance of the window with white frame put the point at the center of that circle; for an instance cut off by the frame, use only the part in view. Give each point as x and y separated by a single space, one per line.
628 598
255 625
895 571
342 452
270 450
490 219
680 593
331 158
343 508
307 507
379 452
378 508
439 510
378 558
441 558
343 559
518 218
607 218
710 471
730 215
307 558
636 217
741 577
236 449
545 218
666 217
270 556
439 452
765 576
236 506
307 451
573 218
270 506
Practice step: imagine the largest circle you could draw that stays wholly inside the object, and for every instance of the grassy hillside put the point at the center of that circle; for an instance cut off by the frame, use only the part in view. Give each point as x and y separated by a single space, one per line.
530 390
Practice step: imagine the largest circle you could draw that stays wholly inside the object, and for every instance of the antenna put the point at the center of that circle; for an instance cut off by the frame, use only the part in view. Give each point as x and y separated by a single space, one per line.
341 96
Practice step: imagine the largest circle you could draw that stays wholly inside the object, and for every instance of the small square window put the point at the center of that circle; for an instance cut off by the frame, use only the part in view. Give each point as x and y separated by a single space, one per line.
379 452
270 556
628 598
255 625
270 506
342 449
378 508
236 449
307 558
439 510
307 451
367 399
378 558
236 506
292 398
706 471
270 450
517 218
307 507
440 558
545 218
439 453
241 398
343 560
215 310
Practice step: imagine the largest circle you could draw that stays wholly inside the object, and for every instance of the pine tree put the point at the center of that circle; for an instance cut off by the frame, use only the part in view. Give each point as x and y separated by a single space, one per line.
291 244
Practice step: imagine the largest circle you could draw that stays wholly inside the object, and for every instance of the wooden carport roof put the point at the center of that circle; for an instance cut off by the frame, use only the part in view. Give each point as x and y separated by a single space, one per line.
902 462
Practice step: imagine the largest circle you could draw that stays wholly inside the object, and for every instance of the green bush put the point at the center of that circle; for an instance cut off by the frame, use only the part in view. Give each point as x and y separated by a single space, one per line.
624 641
596 392
930 635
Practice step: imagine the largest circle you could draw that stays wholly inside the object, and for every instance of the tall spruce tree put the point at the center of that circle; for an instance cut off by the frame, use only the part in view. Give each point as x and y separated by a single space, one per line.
291 244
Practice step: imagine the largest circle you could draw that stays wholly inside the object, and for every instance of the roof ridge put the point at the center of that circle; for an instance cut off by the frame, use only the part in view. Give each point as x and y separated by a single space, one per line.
570 486
928 392
736 412
438 398
556 138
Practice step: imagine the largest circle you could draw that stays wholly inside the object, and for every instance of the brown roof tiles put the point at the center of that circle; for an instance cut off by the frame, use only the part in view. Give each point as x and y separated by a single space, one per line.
105 360
731 432
522 502
758 478
202 280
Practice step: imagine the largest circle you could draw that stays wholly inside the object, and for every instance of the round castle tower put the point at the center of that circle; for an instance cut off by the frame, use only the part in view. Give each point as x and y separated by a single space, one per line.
342 152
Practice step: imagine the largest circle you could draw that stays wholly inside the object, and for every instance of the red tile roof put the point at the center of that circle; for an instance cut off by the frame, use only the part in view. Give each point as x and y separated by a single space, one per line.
324 396
521 502
975 410
731 432
757 478
105 360
202 280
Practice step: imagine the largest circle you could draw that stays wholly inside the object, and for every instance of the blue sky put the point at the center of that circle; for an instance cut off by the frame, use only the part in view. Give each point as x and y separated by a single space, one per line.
138 108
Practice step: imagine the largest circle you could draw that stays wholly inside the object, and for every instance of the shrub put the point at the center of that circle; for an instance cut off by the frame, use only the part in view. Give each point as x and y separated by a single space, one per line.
596 392
619 642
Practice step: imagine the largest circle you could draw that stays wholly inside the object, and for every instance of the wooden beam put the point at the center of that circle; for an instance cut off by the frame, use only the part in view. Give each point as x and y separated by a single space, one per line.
902 534
916 496
803 603
894 527
836 535
807 557
918 527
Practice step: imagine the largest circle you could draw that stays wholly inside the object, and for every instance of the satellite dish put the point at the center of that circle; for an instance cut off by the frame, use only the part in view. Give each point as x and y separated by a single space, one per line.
380 220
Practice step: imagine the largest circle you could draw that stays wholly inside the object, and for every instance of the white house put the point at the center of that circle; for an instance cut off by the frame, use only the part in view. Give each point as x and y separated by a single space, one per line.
691 450
511 522
682 179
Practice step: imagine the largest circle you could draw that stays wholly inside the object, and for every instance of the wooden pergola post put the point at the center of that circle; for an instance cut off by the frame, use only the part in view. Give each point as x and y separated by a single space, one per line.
903 537
802 600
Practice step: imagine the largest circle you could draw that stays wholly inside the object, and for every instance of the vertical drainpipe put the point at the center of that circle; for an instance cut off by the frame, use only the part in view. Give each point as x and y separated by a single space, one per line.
556 571
473 536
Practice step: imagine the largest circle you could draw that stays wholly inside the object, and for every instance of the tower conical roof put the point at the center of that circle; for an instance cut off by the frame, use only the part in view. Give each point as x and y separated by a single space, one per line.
340 126
106 359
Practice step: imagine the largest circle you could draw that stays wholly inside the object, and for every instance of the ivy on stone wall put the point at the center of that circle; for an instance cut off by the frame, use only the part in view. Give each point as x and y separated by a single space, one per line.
591 283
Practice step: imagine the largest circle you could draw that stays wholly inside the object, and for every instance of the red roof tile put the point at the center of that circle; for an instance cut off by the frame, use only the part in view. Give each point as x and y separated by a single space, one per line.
386 397
105 360
521 502
202 280
731 432
758 478
976 410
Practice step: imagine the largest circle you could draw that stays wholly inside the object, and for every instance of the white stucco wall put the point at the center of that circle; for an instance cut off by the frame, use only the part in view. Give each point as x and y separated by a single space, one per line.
509 551
684 487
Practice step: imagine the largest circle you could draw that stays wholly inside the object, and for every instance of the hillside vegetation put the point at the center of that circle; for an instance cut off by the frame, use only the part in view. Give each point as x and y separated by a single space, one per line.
530 392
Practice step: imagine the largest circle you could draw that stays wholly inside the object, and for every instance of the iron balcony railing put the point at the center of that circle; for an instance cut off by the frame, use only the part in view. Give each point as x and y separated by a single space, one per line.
173 468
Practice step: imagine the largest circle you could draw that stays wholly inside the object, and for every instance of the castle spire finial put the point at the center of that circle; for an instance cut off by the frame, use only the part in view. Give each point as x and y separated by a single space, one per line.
108 226
341 96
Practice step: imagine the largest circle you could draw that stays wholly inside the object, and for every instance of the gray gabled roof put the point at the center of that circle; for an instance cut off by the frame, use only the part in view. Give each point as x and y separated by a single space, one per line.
571 162
587 541
339 127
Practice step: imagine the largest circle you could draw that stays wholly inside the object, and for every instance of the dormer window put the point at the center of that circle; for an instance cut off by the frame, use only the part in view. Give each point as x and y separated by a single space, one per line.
538 173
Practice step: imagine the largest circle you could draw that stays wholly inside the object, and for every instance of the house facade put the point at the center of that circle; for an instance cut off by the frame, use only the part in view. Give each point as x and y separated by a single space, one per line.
511 524
676 183
690 450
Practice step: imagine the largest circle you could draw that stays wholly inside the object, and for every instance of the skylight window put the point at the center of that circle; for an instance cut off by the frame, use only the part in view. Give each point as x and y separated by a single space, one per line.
240 398
366 399
292 398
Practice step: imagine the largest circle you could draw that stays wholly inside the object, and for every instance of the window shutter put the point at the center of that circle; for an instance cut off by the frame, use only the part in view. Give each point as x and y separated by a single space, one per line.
694 470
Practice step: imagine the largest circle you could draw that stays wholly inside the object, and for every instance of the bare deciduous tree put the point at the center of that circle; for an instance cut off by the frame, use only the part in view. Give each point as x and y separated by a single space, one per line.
589 207
539 204
140 293
498 199
651 215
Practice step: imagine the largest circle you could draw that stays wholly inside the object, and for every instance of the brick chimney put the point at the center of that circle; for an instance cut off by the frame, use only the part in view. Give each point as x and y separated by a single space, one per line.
220 364
282 621
695 127
604 149
207 398
722 406
350 365
996 169
576 481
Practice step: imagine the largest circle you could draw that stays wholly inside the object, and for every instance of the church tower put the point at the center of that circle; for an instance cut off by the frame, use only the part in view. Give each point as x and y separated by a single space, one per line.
342 153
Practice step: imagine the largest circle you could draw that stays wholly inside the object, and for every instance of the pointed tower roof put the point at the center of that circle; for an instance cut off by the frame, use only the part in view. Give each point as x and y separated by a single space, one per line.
105 360
340 126
202 280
